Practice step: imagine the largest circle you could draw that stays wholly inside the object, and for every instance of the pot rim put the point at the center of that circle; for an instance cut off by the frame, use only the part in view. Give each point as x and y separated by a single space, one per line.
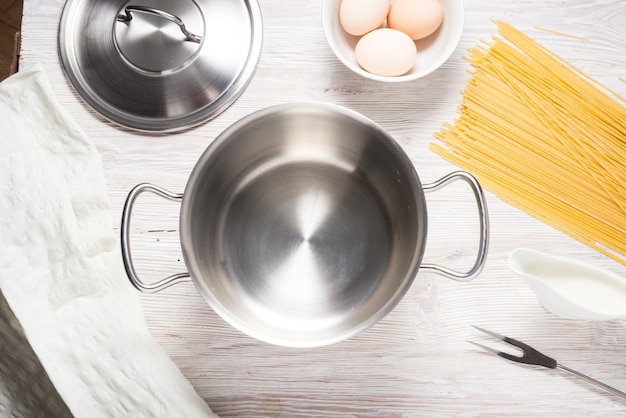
293 107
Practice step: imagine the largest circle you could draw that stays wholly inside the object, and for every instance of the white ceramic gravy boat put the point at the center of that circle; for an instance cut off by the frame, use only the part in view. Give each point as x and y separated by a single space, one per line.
570 288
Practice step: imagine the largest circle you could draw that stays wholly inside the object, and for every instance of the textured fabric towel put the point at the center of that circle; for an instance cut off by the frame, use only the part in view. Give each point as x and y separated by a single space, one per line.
62 284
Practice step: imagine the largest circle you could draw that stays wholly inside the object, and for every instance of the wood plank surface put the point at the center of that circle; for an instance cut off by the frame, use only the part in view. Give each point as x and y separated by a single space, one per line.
416 361
10 25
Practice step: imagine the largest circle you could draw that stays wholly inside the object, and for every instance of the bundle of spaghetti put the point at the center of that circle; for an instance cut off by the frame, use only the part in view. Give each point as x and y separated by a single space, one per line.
544 137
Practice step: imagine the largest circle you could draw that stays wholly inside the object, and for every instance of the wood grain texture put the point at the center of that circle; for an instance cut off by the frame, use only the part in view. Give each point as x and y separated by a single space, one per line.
416 361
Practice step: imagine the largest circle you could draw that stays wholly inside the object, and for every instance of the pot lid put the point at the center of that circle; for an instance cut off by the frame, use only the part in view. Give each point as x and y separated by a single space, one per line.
160 65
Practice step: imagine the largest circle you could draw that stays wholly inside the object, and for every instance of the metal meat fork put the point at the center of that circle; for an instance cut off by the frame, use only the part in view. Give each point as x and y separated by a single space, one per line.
532 356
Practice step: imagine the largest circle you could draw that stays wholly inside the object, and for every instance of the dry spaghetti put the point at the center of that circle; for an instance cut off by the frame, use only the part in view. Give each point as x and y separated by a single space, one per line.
544 137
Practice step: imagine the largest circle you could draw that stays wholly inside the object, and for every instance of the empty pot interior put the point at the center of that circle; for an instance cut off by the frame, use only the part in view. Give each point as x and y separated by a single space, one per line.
303 225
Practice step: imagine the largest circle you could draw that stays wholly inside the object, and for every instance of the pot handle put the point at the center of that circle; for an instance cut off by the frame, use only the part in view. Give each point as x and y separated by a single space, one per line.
125 232
127 17
484 227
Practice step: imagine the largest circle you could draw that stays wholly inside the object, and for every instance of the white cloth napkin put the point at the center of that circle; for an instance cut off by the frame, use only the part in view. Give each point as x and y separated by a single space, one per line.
61 275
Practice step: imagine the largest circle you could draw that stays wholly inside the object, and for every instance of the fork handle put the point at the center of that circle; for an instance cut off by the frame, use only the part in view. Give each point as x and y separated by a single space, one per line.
593 381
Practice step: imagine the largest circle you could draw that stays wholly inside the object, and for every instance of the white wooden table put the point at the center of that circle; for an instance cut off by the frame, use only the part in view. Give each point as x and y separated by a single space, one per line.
416 361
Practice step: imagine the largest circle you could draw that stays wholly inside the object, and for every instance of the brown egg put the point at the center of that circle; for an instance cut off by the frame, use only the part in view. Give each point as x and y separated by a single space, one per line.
416 18
358 17
386 52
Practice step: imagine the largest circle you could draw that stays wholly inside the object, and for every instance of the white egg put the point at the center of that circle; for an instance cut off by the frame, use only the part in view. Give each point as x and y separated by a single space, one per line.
386 52
358 17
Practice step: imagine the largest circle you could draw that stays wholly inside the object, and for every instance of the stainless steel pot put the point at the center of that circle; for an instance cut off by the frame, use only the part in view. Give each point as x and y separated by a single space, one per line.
303 225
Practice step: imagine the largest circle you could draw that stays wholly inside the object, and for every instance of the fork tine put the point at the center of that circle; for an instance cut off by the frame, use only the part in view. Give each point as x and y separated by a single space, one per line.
498 353
493 334
484 347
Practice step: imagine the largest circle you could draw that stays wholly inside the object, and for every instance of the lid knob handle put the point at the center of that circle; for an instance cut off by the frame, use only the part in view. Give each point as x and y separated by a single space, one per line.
127 17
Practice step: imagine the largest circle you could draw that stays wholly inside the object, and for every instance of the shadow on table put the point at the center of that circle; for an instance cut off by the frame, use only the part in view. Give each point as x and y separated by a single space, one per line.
25 388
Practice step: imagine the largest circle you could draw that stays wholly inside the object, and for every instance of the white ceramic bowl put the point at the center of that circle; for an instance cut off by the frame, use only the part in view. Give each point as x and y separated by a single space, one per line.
433 50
